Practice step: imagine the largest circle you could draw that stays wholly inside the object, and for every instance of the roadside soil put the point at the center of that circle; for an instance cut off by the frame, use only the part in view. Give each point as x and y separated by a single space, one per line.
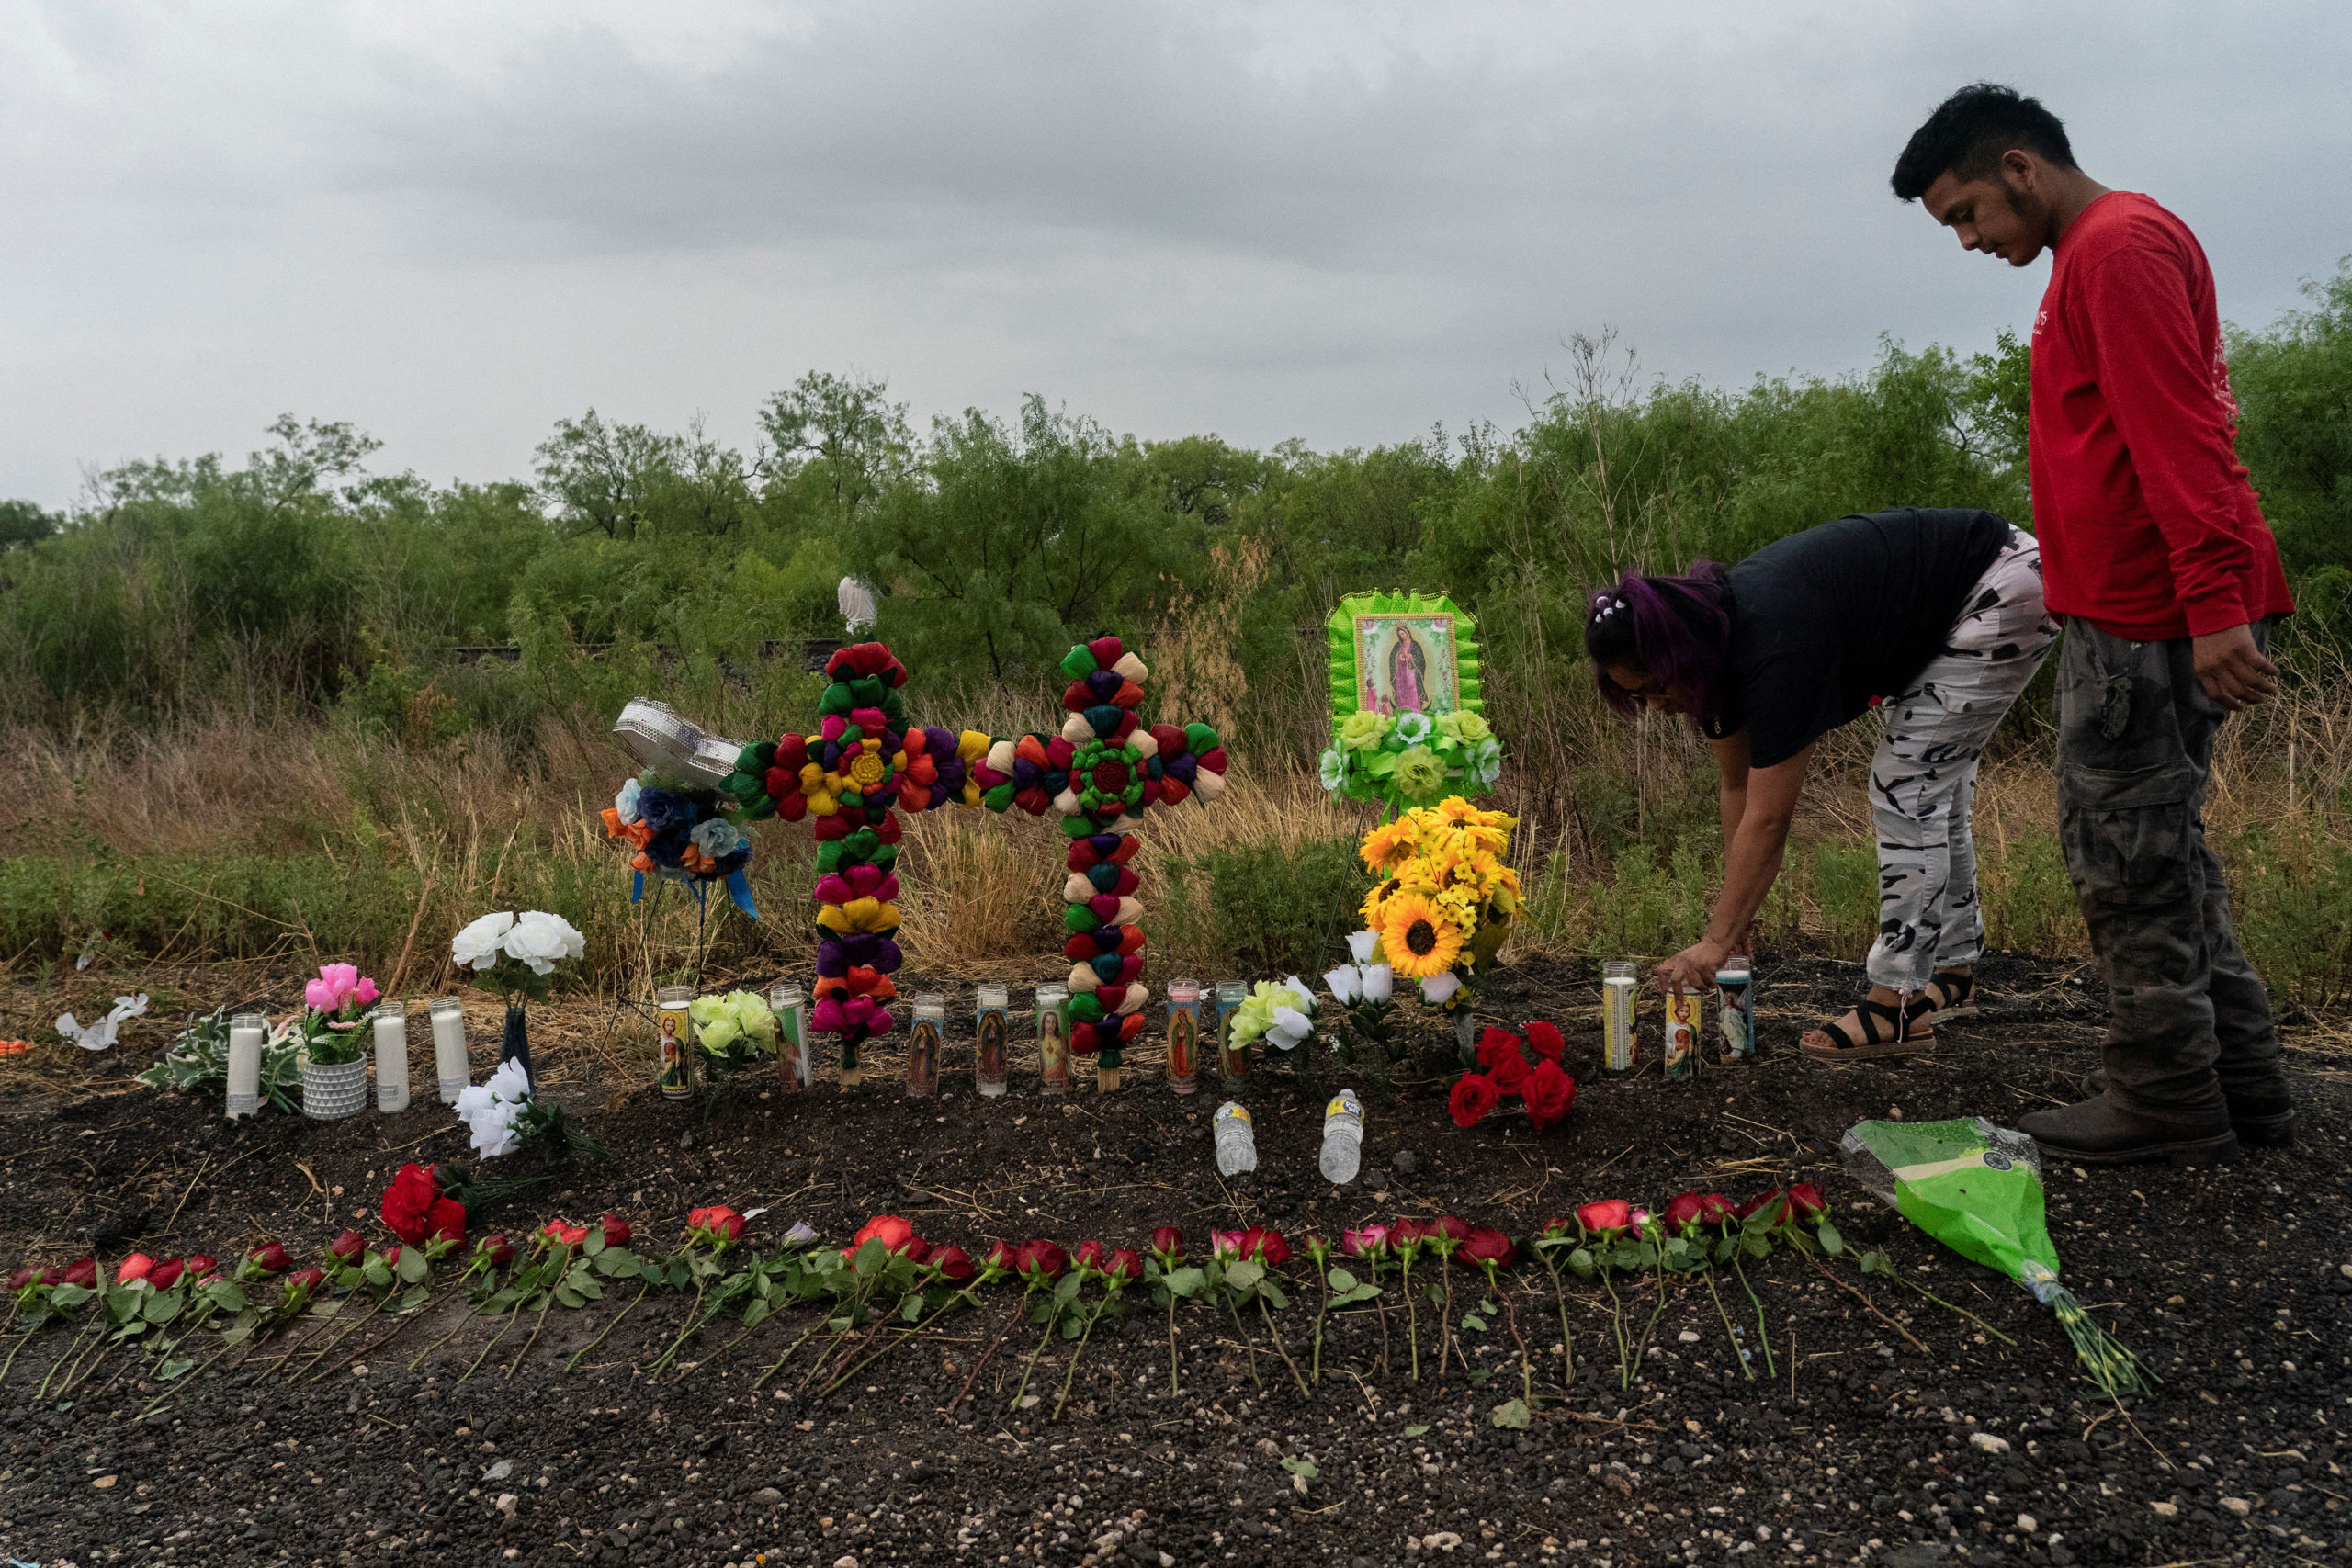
1883 1428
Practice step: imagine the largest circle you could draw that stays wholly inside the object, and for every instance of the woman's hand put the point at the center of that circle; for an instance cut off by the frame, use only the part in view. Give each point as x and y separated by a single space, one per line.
1693 968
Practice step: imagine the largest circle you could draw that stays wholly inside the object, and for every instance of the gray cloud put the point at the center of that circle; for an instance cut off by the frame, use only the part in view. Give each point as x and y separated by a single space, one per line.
453 223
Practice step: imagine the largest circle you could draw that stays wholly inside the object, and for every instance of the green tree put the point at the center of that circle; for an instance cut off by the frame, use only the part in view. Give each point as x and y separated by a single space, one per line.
839 434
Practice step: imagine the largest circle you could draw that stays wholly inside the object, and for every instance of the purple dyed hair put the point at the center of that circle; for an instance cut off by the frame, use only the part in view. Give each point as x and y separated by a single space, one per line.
1674 629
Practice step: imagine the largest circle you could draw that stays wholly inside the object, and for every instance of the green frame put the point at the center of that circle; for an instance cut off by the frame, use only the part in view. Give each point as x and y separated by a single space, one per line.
1341 630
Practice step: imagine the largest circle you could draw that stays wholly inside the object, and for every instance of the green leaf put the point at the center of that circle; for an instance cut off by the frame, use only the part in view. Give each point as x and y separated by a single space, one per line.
595 1243
1755 1246
1072 1327
1511 1412
69 1296
162 1306
1361 1293
569 1297
1480 1374
1187 1282
376 1273
1472 1320
912 1311
1272 1292
1342 1280
173 1369
757 1312
872 1259
1580 1263
1415 1431
1065 1292
414 1297
1241 1274
1304 1467
414 1269
1831 1241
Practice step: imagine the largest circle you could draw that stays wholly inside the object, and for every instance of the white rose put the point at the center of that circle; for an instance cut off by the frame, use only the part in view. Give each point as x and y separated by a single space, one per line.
1379 982
478 944
1363 945
542 941
1346 983
1438 990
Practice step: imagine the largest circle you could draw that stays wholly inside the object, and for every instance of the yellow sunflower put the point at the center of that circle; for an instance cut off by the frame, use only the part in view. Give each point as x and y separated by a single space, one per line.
1386 846
1419 940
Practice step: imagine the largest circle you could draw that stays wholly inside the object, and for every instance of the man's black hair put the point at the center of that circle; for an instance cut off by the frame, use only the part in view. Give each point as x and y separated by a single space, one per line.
1970 130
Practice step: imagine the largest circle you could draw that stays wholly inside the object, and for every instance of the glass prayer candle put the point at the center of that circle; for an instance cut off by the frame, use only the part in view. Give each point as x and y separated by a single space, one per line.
1736 995
791 1010
1232 1061
677 1028
247 1033
450 1065
991 1027
922 1045
1681 1034
391 1057
1183 1035
1617 1015
1053 1038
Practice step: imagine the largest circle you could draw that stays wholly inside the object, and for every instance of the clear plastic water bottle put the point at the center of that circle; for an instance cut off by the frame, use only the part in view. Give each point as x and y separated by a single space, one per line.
1237 1140
1342 1138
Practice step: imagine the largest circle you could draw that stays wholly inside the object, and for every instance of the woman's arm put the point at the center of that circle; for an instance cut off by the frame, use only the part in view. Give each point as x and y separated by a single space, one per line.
1731 794
1750 865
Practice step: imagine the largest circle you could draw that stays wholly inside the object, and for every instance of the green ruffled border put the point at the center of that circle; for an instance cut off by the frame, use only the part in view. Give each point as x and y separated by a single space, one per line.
1342 629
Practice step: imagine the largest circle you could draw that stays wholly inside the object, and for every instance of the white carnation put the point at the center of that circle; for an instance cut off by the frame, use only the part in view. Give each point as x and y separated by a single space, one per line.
478 944
489 1109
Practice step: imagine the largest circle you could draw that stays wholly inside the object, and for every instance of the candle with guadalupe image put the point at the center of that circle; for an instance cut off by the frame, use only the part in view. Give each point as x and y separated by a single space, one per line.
993 1023
391 1057
1183 1035
247 1033
791 1009
450 1065
674 1027
922 1045
1053 1038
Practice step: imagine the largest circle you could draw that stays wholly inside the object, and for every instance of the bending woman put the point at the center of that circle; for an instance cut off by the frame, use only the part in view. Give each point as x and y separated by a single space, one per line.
1935 618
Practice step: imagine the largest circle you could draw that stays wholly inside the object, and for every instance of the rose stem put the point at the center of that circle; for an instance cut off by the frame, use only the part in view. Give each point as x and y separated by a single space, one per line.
486 1349
1053 1316
1741 1269
472 1311
1445 1322
324 1351
1173 1391
1247 1342
1070 1373
1560 1298
1510 1316
609 1327
780 1360
1866 1301
1020 1309
406 1320
1642 1349
1275 1335
1914 1284
1617 1320
1736 1349
536 1324
1412 1320
1320 1313
177 1384
936 1313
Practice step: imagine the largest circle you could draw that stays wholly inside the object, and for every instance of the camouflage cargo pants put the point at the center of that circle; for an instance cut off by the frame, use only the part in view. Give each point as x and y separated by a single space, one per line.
2135 745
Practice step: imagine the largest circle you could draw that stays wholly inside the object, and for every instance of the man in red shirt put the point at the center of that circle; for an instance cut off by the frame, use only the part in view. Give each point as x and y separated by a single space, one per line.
2156 554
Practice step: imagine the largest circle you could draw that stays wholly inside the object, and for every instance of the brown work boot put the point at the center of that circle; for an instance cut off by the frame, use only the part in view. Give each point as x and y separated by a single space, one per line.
2263 1116
2100 1131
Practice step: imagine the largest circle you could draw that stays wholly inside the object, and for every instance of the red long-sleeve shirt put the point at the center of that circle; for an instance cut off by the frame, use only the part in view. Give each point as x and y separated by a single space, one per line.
2148 527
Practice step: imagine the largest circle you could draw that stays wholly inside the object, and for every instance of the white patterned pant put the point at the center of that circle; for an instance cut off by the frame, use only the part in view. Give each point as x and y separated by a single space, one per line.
1923 780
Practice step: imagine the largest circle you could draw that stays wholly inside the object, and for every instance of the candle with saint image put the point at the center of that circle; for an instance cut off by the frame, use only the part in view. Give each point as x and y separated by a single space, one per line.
991 1026
676 1028
1682 1032
1053 1038
450 1065
1617 983
1231 1062
391 1057
247 1033
1183 1035
1736 995
791 1009
922 1045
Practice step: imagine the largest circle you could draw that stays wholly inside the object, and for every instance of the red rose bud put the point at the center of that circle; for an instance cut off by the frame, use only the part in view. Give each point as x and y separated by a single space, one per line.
269 1258
348 1246
1042 1262
496 1248
135 1266
30 1274
916 1250
166 1274
1605 1218
303 1282
1224 1246
726 1224
52 1276
1167 1245
1486 1246
616 1231
569 1234
1124 1265
1003 1258
1089 1257
1544 1039
1316 1247
1807 1201
1716 1209
951 1262
81 1271
1553 1229
1684 1214
1474 1095
1452 1228
1756 1202
892 1231
1266 1246
203 1265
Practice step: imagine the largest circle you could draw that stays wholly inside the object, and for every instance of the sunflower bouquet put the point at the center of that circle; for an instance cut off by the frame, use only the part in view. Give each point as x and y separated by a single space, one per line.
1446 898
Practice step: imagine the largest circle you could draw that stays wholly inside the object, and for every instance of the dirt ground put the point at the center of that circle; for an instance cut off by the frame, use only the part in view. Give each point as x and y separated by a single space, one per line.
2234 1284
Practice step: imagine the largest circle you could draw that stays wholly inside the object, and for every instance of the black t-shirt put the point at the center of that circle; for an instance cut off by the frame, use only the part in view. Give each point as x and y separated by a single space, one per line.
1823 621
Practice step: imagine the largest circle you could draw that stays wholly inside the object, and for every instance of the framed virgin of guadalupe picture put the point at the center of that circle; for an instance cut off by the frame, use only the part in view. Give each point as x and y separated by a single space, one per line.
1400 653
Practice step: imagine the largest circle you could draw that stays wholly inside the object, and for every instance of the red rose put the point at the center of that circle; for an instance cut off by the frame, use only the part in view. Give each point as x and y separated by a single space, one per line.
1605 1218
1716 1209
1544 1039
1452 1228
270 1258
616 1231
1122 1265
1807 1201
1756 1202
202 1265
1549 1094
721 1223
30 1274
951 1263
304 1282
1041 1262
1474 1095
1510 1074
1497 1045
1683 1213
166 1274
892 1231
1266 1246
1167 1245
83 1272
1003 1258
409 1202
1553 1228
1409 1233
135 1266
1089 1257
347 1248
496 1248
1486 1246
52 1276
569 1234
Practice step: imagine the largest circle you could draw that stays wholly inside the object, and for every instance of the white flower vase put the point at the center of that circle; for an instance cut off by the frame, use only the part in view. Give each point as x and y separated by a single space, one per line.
334 1091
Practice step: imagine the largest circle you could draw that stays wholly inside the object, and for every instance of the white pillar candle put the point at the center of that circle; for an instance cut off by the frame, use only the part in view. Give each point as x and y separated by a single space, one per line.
391 1057
247 1033
449 1063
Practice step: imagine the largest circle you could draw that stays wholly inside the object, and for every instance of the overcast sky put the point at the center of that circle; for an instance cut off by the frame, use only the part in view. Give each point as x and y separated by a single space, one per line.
452 223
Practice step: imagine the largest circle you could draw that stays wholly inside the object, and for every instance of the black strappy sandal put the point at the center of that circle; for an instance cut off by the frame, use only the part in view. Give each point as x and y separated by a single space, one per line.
1954 995
1903 1036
